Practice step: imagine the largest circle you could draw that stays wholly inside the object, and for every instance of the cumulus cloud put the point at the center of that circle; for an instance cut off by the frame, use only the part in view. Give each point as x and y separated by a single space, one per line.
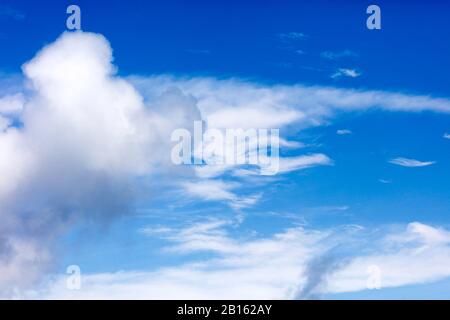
85 135
411 163
11 104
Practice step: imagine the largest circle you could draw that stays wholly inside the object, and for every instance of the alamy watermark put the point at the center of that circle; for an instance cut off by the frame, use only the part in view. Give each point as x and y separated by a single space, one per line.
73 281
374 20
73 21
232 146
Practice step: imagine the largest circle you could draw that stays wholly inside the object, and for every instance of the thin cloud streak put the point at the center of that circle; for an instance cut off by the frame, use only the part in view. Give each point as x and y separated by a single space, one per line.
411 163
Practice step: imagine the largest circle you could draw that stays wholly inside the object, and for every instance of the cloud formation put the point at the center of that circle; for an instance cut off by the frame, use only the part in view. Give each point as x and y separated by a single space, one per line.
411 163
345 72
9 12
343 132
331 55
80 141
297 263
292 36
235 103
84 136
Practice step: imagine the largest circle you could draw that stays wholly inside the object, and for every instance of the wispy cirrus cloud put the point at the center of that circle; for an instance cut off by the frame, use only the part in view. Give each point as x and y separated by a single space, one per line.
290 164
296 263
198 51
345 72
219 190
236 103
10 12
446 136
343 132
292 36
330 55
411 163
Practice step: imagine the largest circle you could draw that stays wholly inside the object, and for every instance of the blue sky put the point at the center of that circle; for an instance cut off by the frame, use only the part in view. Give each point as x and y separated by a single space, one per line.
233 39
367 109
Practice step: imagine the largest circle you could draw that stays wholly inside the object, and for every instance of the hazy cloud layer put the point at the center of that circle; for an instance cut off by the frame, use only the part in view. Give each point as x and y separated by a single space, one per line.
297 263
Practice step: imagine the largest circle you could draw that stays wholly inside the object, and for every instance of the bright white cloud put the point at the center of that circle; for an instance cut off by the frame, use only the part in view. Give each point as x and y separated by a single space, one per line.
343 132
218 190
86 135
418 255
279 106
411 163
296 263
303 162
344 72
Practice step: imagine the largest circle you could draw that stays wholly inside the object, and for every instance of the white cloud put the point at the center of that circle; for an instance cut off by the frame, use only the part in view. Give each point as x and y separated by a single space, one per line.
218 190
211 189
418 255
4 123
91 137
290 36
285 165
344 72
302 162
86 135
343 132
274 106
405 162
295 263
11 104
446 136
19 257
262 117
424 234
330 55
